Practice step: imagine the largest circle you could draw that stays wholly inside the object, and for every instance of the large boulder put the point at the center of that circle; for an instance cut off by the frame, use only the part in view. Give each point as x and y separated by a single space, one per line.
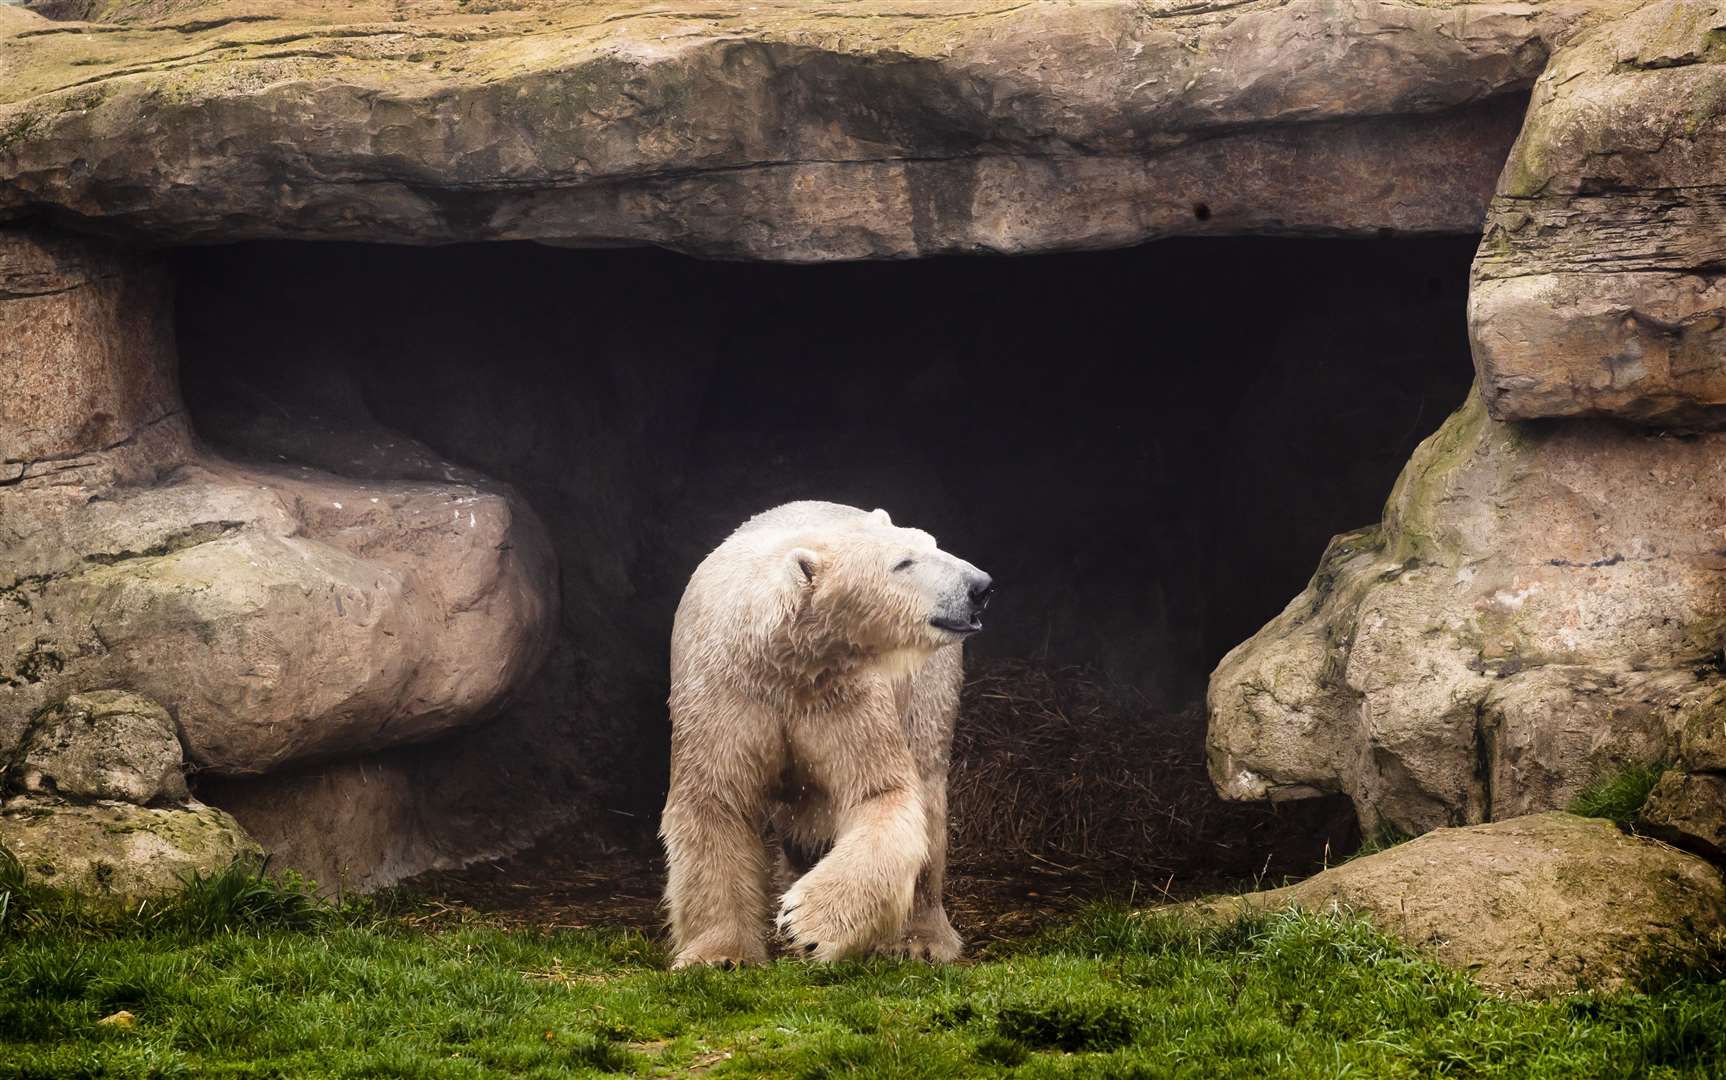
769 128
103 811
1535 905
278 611
355 593
119 852
105 744
1540 606
1597 289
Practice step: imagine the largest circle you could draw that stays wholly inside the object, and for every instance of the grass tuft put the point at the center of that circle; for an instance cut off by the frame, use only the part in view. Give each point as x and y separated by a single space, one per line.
243 898
239 898
11 887
1000 1050
1096 1023
1618 796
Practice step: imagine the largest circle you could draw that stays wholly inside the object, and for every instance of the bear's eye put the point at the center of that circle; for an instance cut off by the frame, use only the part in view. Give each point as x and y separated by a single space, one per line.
904 564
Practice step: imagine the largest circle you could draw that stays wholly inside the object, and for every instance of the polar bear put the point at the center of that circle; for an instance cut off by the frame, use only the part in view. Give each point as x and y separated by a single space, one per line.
815 671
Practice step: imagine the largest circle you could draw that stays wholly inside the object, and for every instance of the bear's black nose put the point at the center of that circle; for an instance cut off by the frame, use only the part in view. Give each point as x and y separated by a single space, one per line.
982 587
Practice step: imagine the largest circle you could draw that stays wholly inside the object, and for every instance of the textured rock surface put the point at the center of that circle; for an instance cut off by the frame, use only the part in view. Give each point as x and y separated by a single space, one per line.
393 810
278 613
1535 905
1540 605
1598 288
105 744
1688 809
86 358
116 850
1688 805
773 129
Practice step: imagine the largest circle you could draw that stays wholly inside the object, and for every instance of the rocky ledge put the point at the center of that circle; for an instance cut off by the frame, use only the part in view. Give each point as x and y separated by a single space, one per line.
772 129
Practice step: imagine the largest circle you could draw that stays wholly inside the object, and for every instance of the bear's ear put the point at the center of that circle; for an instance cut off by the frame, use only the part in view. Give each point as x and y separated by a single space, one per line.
880 516
803 564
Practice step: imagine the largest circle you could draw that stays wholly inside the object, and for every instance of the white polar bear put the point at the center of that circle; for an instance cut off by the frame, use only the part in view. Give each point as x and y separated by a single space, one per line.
815 673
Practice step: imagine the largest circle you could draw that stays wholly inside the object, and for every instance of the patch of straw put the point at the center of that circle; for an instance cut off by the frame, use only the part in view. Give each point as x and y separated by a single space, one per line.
1053 765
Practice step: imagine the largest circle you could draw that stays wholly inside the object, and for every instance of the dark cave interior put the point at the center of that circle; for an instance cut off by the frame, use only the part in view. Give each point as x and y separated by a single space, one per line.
1148 448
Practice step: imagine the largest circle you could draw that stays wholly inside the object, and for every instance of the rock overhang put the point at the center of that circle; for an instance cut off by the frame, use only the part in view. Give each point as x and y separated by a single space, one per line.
774 130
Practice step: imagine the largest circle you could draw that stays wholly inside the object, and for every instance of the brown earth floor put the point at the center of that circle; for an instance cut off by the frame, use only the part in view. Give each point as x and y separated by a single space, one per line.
575 881
1123 810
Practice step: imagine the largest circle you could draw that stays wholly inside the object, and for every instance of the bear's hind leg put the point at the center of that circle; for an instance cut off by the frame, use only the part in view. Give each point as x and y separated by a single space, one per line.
929 935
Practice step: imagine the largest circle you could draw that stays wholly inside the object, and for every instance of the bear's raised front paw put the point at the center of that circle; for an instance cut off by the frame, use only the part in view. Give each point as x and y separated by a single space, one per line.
829 918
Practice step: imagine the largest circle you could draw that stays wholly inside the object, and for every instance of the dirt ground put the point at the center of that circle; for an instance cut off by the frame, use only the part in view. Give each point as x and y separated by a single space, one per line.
571 883
1065 789
575 881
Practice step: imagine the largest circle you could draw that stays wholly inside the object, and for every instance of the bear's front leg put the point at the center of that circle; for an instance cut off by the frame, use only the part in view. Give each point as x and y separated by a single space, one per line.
860 894
716 867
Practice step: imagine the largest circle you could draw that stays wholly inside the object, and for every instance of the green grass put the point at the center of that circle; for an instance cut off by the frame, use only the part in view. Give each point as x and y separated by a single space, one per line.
1618 796
228 982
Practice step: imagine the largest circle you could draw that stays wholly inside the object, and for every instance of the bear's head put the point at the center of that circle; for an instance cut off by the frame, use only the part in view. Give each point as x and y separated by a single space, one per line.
879 588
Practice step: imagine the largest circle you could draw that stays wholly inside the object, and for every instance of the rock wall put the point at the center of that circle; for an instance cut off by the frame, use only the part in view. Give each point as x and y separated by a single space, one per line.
1598 291
1542 604
1544 601
281 614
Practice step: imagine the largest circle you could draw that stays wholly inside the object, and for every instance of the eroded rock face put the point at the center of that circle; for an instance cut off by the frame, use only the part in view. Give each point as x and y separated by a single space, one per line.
1597 290
770 129
278 613
1536 905
105 744
1688 809
1541 605
1688 805
87 366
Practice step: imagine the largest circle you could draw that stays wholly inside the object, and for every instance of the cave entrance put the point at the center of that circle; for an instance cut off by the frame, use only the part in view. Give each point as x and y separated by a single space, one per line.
1148 448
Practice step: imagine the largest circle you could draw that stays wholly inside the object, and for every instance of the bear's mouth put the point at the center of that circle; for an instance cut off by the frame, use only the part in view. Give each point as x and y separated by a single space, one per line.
957 626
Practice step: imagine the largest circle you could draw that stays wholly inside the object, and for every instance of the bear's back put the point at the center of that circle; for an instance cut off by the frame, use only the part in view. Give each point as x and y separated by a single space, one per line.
801 515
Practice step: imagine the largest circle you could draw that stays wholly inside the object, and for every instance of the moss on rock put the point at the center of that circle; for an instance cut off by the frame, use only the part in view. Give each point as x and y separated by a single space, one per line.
116 851
1532 613
104 744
